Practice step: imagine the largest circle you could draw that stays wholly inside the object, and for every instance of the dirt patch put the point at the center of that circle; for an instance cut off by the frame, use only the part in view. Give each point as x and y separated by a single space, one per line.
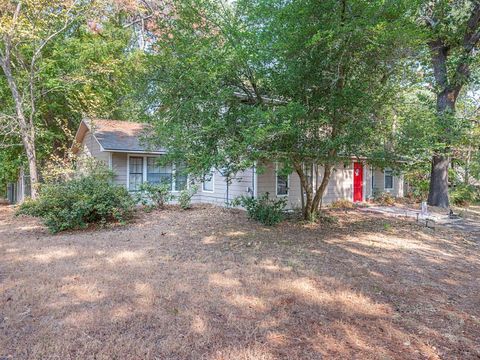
209 284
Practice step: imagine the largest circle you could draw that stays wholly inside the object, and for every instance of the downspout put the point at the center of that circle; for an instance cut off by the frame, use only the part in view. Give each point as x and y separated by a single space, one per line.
255 181
302 197
228 187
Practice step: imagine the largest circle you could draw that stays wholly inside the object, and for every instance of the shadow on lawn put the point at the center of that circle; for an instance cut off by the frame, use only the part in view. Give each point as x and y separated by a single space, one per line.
192 287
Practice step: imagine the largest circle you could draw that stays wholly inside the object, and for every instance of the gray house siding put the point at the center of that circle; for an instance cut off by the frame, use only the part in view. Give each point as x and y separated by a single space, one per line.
90 148
18 191
121 142
340 185
119 167
267 183
241 184
379 183
266 179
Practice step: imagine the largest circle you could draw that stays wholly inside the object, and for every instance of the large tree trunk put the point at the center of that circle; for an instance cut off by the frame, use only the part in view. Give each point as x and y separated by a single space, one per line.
447 97
307 186
327 172
438 192
313 194
27 132
29 144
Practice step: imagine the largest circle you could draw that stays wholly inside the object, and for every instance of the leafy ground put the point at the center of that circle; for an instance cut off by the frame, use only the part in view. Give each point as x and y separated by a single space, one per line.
209 284
470 212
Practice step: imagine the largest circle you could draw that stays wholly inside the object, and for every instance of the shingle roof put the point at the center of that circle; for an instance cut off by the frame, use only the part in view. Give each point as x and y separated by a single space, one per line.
116 135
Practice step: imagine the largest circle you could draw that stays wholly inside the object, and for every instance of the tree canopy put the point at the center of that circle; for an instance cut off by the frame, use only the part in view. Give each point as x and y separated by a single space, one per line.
300 83
230 84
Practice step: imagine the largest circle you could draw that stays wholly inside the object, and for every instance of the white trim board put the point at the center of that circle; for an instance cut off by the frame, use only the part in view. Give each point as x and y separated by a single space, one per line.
145 171
145 153
384 182
255 180
213 183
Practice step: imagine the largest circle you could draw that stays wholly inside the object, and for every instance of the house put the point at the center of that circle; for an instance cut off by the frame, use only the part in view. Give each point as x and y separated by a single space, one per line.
20 189
119 145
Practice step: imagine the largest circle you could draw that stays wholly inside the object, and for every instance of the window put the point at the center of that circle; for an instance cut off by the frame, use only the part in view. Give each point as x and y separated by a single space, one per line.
208 182
282 185
157 174
373 178
388 179
181 178
135 173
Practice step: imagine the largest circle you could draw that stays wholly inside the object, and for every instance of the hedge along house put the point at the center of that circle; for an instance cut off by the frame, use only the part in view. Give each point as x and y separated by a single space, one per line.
118 144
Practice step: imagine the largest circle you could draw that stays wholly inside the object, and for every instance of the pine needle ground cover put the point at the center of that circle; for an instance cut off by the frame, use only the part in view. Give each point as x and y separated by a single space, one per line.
208 283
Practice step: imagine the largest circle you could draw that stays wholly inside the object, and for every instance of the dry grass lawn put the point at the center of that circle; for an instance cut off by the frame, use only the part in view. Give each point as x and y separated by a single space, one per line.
209 284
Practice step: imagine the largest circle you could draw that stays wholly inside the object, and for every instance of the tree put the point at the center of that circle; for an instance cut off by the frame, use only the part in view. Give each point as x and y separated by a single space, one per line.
27 27
336 61
454 28
302 83
467 154
89 69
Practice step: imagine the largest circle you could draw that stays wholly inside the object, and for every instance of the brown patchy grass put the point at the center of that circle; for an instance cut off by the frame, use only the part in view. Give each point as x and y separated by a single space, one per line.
209 284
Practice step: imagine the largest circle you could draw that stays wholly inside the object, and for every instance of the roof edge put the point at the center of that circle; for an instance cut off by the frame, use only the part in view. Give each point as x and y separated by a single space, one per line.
84 125
127 151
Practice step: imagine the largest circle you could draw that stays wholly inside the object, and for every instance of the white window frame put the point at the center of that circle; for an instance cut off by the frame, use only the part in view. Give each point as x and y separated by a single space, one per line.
145 175
144 170
172 173
145 167
385 176
212 171
276 183
174 180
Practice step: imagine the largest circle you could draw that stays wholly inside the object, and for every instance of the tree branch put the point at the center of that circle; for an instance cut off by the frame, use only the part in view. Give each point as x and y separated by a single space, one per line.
55 33
439 61
136 21
472 34
470 41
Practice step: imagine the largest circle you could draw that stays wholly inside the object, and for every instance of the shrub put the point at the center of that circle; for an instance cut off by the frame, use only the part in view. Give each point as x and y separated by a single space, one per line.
384 198
326 218
342 204
263 209
418 186
158 194
185 197
77 203
464 195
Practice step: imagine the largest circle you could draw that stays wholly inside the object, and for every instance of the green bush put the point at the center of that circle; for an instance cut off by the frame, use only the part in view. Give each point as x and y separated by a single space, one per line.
263 209
384 198
157 194
342 204
419 184
464 195
77 203
185 197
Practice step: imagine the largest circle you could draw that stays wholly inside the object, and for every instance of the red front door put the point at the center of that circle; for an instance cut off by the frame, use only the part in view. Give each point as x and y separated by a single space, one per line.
357 182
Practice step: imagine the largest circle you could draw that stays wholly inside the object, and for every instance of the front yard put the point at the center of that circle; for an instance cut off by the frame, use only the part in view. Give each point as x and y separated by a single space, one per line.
209 284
